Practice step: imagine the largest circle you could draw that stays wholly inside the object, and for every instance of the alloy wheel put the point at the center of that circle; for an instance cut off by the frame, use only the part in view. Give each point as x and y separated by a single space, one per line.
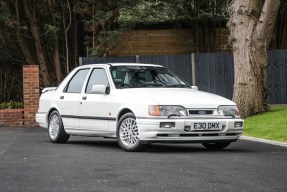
54 126
129 132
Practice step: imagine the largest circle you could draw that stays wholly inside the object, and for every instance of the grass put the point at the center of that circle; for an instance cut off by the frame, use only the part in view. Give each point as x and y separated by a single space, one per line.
271 125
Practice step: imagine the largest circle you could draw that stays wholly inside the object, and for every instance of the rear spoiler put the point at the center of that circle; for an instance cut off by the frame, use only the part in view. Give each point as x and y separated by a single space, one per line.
49 89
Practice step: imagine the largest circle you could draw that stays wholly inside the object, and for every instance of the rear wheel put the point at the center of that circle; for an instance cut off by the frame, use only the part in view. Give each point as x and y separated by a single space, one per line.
56 131
216 146
128 134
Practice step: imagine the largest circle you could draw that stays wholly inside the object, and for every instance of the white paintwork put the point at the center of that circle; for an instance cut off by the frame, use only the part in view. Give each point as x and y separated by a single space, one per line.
95 105
68 106
99 89
49 89
136 100
194 87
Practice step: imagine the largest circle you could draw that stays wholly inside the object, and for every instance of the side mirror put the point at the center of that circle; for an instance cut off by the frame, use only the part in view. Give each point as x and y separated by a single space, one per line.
194 87
99 89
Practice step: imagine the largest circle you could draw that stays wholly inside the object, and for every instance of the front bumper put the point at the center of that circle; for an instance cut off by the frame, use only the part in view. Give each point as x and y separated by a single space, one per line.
150 131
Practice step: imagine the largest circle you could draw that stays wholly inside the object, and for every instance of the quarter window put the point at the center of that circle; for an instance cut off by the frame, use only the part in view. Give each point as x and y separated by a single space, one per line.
98 77
76 83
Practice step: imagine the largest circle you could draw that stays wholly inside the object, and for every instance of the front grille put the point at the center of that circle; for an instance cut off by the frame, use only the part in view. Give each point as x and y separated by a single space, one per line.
200 112
189 135
209 134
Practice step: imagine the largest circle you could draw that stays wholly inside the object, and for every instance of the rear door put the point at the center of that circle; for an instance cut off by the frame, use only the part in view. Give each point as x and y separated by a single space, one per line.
68 101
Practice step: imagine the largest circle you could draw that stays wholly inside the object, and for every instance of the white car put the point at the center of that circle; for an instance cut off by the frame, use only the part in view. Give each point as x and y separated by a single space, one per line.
138 104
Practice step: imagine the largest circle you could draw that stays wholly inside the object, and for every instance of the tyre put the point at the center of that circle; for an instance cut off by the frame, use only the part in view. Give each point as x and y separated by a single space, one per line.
128 134
56 131
216 146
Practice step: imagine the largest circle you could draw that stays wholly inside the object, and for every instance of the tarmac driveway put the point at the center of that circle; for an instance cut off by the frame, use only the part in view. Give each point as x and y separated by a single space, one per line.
30 162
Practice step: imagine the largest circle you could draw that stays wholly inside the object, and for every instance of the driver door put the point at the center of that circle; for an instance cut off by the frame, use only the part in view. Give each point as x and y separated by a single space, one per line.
94 108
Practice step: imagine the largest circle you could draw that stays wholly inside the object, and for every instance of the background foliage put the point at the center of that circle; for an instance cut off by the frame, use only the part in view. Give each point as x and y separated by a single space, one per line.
11 105
55 33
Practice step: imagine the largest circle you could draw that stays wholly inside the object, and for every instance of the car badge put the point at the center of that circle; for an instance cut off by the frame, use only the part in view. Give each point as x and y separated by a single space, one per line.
202 112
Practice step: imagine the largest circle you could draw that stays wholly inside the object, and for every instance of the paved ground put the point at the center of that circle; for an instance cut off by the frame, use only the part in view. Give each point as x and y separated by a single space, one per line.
29 162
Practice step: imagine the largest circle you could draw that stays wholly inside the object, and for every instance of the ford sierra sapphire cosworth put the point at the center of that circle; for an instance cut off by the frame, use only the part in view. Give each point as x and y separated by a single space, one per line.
138 104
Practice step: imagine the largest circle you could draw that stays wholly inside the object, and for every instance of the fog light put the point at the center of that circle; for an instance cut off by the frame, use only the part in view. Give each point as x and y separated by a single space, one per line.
238 124
186 128
167 125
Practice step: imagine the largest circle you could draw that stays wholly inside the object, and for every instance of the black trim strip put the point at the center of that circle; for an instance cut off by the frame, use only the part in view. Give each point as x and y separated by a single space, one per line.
89 117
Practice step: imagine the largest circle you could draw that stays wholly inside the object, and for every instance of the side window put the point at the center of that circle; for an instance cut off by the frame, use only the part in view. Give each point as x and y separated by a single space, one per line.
76 83
98 77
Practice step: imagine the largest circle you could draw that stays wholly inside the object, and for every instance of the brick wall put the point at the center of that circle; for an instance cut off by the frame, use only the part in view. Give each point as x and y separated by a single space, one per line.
24 117
11 117
30 93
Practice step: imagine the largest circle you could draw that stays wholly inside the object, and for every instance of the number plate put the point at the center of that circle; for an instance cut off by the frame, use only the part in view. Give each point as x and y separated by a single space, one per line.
207 126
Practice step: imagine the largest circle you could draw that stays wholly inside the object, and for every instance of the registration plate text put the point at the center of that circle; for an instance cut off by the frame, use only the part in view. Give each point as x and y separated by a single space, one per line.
207 126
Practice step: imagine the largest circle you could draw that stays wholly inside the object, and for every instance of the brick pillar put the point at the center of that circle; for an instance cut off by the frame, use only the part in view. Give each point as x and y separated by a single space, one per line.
30 94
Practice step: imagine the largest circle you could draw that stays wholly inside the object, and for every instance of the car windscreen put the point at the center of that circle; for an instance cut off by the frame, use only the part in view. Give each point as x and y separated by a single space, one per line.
145 76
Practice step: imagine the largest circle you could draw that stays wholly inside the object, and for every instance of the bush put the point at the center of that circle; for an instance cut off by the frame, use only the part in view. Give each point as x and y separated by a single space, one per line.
11 105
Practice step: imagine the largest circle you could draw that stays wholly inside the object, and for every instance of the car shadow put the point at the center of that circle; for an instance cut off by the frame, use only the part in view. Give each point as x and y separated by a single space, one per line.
95 143
160 148
193 148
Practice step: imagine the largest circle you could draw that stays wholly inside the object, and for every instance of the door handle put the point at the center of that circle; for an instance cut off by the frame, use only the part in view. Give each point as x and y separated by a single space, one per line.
62 97
84 97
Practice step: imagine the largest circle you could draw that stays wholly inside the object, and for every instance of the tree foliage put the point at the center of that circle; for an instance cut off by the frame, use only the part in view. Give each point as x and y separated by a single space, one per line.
53 34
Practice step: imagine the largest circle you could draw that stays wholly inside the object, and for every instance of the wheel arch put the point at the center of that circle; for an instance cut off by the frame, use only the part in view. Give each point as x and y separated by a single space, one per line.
49 113
122 112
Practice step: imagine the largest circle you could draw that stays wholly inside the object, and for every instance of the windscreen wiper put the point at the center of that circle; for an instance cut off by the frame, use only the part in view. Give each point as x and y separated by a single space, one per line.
175 85
230 116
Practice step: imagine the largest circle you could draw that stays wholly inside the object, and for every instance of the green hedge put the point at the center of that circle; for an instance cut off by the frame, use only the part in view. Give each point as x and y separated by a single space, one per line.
11 105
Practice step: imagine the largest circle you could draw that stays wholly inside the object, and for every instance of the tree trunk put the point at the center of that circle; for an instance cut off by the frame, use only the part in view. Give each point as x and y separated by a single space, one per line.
76 55
21 41
251 30
57 61
66 29
38 44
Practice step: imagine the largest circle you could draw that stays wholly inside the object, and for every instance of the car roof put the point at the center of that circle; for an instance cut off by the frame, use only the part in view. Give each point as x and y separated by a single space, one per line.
122 64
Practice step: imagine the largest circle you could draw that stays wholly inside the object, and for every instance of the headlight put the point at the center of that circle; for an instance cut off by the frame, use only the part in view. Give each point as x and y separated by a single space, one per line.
228 111
166 110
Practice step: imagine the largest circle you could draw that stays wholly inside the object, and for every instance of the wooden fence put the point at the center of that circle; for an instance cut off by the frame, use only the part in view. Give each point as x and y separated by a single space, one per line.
212 72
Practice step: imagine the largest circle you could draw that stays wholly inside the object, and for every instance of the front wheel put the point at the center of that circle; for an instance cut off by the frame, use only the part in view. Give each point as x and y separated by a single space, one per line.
128 134
56 131
216 146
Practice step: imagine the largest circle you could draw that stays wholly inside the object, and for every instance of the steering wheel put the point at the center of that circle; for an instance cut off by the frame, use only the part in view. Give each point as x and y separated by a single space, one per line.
123 85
